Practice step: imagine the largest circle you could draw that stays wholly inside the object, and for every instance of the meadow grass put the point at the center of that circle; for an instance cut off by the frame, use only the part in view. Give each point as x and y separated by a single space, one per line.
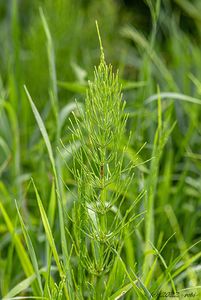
99 168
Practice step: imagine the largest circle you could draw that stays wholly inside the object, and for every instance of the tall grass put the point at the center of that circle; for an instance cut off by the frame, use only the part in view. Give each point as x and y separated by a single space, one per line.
104 202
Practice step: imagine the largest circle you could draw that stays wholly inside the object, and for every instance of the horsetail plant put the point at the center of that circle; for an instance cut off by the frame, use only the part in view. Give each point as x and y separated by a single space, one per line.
102 174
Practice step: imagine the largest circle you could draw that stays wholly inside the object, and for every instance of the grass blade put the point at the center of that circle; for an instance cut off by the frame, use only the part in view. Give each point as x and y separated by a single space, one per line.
20 287
23 257
31 250
175 96
60 204
117 295
48 232
42 128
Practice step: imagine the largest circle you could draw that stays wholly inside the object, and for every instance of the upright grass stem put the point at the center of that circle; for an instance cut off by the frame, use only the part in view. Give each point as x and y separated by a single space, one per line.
57 165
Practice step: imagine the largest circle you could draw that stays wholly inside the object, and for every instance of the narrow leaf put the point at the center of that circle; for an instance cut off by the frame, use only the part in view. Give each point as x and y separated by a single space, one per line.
20 287
121 292
42 128
31 250
48 232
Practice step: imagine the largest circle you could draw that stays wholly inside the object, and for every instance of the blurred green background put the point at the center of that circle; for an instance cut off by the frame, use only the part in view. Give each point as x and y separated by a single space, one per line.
154 48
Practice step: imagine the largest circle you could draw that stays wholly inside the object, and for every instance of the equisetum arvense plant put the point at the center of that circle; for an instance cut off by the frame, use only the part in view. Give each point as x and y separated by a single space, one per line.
102 175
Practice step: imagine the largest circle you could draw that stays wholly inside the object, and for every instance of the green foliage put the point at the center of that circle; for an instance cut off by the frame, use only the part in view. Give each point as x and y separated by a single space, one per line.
99 216
107 197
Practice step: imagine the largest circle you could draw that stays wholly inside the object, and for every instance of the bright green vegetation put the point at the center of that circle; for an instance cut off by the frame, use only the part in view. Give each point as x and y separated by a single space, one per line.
100 173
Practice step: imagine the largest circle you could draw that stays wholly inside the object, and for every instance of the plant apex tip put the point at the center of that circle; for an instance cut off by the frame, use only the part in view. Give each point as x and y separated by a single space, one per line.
100 42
